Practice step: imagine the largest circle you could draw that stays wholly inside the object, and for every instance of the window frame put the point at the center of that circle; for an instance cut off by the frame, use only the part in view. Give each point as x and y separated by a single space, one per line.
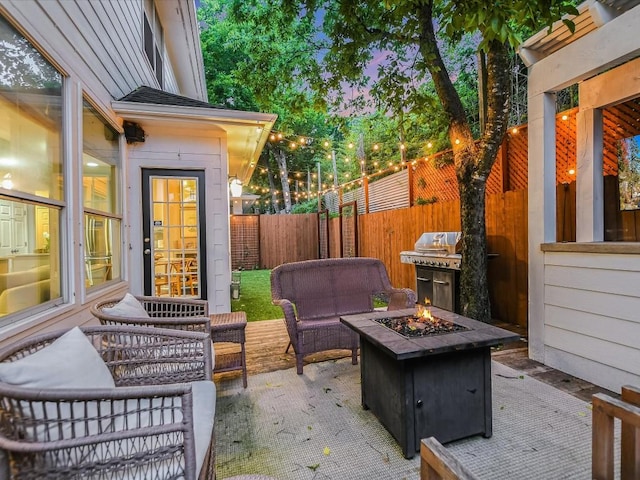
59 205
117 213
151 19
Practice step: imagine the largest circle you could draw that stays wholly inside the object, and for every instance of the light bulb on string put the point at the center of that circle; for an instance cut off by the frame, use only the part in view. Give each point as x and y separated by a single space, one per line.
376 146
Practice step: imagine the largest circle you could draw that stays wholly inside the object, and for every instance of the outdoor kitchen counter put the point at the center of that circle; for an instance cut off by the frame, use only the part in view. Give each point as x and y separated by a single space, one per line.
420 387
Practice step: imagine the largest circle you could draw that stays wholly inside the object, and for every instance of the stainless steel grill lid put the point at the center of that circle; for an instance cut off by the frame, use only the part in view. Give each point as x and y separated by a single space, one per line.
439 242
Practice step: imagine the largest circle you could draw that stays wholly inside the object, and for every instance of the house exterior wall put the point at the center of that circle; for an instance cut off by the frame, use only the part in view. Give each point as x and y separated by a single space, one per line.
98 42
591 322
583 297
197 149
97 47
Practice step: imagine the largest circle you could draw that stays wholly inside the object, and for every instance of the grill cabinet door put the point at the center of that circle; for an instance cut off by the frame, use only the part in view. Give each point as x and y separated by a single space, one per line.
443 289
424 284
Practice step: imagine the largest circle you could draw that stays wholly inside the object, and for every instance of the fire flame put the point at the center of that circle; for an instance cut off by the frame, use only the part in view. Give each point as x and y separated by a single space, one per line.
423 314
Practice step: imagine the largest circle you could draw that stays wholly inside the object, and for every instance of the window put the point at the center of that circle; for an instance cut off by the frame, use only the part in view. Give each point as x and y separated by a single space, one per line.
100 161
621 168
31 178
153 38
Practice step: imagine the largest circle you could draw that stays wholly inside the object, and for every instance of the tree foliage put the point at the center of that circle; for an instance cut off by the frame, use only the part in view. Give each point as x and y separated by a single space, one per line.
411 60
414 37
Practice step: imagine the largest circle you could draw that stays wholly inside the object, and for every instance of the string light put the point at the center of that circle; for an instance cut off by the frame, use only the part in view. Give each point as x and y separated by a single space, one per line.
376 147
457 141
429 145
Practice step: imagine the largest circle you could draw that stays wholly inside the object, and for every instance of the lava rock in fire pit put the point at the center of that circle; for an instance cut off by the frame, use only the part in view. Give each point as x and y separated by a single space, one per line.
420 326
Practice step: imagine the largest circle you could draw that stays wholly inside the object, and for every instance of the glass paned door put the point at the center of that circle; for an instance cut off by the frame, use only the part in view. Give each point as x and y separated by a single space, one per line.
173 211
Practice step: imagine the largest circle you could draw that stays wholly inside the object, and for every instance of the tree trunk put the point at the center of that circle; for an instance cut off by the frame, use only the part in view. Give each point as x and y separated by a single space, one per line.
281 158
473 161
474 302
272 190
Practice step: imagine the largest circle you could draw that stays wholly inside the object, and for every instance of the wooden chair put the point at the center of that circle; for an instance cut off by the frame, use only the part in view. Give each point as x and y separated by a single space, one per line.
188 271
166 276
437 463
605 410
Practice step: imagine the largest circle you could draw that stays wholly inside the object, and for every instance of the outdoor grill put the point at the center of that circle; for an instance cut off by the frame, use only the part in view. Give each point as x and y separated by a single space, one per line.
437 258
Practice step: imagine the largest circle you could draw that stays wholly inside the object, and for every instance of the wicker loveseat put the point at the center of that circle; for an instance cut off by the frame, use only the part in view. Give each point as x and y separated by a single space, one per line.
147 412
177 313
314 294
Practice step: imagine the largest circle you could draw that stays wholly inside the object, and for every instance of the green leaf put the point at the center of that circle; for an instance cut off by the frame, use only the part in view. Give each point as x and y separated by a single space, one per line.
314 467
570 25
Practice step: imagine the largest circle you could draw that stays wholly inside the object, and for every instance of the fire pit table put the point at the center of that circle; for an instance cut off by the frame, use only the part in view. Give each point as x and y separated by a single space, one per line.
435 383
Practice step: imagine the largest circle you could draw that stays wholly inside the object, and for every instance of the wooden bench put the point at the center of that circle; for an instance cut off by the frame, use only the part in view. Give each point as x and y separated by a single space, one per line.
605 410
437 463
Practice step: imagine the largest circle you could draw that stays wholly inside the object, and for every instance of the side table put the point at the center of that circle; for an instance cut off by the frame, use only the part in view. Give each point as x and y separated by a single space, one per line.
230 328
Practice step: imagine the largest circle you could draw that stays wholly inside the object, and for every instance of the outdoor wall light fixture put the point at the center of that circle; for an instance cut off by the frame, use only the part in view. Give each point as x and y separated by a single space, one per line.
235 187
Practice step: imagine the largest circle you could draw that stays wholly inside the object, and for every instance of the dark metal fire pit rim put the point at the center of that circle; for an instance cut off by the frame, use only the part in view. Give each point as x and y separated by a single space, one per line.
480 335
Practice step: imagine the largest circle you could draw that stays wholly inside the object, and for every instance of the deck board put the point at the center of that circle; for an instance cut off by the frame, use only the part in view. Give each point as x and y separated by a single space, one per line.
265 344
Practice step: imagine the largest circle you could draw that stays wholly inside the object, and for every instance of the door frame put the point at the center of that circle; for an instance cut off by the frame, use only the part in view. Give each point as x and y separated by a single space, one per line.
146 175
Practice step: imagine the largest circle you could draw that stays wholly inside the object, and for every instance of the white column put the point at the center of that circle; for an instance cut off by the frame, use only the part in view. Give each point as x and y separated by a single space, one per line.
542 209
589 182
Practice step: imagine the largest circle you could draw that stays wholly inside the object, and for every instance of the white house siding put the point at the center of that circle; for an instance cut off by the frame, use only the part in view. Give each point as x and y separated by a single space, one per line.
592 327
583 303
97 46
98 42
186 147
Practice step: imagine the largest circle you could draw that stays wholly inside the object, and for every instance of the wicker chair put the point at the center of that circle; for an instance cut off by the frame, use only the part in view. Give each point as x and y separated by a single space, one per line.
148 426
175 313
314 294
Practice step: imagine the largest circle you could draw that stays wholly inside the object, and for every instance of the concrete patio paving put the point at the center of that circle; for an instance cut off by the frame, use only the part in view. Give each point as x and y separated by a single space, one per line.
313 426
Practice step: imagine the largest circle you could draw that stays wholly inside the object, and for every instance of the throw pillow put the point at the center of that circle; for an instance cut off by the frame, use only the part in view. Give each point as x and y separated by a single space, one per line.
128 307
69 362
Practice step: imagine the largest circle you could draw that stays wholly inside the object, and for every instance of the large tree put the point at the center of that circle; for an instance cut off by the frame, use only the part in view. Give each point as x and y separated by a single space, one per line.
253 60
413 34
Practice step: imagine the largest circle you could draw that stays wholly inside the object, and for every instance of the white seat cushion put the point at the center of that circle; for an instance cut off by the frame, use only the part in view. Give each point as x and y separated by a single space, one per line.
204 407
128 307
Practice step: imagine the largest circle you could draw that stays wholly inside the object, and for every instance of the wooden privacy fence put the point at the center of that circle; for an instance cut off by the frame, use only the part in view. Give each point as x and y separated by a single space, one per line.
385 234
289 238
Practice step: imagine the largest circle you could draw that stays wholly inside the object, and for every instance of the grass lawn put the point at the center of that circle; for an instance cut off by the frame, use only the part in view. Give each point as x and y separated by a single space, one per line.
255 296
